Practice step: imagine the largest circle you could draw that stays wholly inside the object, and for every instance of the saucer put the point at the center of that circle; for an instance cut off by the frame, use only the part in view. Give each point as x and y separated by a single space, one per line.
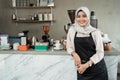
55 48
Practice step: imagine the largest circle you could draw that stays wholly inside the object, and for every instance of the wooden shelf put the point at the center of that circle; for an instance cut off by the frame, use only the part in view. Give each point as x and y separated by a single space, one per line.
31 21
32 7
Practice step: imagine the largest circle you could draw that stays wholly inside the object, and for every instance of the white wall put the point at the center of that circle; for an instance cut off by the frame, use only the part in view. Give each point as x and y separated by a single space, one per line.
107 12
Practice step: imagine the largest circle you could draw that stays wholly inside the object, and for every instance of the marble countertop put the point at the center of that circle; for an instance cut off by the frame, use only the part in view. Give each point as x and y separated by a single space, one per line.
113 52
44 65
35 52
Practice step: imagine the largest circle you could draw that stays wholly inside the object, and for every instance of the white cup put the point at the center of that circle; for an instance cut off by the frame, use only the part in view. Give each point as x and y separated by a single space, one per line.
15 46
58 45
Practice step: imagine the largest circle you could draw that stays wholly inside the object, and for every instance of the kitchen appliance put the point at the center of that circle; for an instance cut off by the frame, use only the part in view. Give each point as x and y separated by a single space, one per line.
71 14
46 36
25 33
93 19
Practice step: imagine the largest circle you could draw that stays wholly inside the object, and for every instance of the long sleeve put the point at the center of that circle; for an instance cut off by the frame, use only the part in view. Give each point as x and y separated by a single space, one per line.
70 41
98 56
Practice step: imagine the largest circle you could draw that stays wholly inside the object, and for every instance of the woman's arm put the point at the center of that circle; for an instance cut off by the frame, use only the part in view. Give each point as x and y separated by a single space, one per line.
70 45
98 56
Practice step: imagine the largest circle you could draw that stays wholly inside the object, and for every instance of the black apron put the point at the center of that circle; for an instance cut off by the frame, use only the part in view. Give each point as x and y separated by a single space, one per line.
85 48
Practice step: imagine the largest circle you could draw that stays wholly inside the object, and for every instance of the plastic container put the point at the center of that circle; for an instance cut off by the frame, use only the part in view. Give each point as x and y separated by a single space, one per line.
23 47
41 47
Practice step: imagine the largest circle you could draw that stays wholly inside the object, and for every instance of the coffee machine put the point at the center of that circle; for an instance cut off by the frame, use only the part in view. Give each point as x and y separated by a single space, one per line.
71 14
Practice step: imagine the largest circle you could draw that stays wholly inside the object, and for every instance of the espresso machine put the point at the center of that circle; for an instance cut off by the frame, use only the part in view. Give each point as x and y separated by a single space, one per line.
71 14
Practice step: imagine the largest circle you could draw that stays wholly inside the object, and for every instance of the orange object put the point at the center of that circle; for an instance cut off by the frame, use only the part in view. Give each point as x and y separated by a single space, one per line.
23 47
107 47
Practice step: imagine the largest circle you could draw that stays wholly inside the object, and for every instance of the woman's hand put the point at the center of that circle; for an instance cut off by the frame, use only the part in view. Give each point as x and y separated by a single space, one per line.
76 59
82 68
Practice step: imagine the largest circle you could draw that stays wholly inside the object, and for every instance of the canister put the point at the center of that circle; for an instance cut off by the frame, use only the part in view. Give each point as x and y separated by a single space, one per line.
50 16
40 16
45 16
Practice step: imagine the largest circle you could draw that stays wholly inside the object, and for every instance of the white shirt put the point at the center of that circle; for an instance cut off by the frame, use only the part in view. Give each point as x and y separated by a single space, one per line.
96 34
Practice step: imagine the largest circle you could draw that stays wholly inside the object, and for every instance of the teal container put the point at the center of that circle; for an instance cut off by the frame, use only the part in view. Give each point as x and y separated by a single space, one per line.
41 47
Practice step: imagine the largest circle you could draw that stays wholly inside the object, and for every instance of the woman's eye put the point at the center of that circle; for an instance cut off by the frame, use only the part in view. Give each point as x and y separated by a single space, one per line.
78 16
83 16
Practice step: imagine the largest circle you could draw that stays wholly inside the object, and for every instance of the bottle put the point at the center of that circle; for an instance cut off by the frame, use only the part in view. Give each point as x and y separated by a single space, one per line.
45 16
14 16
40 16
50 16
14 3
33 41
38 3
36 17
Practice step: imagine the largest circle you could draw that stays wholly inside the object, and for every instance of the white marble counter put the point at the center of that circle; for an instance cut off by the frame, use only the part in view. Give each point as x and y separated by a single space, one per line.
45 65
33 52
36 67
113 52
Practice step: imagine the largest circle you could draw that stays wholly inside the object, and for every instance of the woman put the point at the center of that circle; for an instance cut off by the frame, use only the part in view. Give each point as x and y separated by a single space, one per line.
85 44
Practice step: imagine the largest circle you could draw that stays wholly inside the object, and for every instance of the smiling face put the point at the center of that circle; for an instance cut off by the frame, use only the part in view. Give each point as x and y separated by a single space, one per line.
82 19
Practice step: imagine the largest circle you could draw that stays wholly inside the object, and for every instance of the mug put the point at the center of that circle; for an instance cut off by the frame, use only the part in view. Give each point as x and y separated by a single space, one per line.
15 46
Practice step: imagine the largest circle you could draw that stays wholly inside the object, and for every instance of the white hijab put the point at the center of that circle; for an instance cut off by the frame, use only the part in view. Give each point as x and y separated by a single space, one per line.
86 29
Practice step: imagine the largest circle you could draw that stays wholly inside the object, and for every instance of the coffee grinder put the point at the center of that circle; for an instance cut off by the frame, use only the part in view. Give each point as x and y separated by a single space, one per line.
71 14
46 36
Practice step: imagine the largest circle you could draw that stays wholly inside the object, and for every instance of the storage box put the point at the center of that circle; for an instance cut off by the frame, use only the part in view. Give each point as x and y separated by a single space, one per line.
41 47
14 39
3 39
